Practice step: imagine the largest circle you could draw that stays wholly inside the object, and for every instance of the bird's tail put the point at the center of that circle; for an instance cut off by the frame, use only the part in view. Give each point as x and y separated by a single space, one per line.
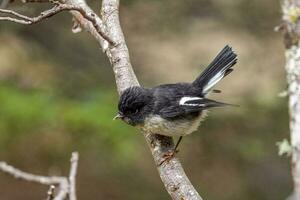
216 70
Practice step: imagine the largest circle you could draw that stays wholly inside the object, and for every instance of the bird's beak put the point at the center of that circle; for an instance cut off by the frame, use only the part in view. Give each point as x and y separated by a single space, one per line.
118 116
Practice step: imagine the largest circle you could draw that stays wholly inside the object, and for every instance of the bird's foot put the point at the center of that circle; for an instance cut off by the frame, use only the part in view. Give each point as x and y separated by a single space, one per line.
168 156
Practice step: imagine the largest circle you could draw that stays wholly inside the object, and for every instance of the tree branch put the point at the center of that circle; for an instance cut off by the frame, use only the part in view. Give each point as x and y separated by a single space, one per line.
65 186
72 176
59 7
291 31
109 34
124 74
172 174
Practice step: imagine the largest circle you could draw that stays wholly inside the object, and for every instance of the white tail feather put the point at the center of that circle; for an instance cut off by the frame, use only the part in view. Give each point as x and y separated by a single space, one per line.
183 101
214 80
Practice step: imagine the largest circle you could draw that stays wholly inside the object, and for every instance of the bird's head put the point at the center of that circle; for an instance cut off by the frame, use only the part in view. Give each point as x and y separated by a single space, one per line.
134 105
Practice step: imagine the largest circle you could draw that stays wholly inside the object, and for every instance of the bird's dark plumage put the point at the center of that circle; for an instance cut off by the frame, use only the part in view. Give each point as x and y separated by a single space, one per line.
175 109
216 70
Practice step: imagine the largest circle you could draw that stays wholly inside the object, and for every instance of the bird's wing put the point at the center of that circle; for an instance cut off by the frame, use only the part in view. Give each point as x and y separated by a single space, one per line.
188 105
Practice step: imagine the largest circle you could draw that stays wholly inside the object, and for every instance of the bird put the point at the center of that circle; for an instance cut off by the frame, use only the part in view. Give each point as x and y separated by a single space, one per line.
176 109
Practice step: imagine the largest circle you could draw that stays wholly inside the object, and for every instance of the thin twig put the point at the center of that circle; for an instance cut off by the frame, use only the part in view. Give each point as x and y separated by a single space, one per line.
59 7
18 174
11 12
64 186
33 20
88 26
72 176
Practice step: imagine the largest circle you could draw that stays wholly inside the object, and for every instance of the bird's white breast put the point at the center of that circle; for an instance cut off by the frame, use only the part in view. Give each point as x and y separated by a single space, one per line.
181 127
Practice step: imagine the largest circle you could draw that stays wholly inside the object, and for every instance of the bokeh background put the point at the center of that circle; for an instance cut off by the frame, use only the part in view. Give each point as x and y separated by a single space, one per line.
58 95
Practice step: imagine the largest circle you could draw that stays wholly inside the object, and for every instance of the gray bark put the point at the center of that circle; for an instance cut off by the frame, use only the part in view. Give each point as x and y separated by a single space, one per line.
290 28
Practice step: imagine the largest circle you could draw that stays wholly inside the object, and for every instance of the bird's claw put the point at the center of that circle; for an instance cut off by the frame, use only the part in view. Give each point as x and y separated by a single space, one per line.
168 156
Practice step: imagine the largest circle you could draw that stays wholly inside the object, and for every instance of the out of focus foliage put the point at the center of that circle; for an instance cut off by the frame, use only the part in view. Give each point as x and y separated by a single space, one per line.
57 95
25 112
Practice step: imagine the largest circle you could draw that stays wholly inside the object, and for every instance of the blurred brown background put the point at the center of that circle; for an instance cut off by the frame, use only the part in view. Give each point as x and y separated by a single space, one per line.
57 95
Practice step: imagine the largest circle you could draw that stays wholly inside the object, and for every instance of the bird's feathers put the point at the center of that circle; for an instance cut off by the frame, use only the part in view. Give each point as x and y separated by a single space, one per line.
217 69
188 106
203 103
176 109
188 101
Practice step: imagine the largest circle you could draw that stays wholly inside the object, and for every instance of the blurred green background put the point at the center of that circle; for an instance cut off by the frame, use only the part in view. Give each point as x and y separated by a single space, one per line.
58 95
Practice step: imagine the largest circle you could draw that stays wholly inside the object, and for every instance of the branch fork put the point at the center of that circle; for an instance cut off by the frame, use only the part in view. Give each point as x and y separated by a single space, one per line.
108 33
66 186
58 7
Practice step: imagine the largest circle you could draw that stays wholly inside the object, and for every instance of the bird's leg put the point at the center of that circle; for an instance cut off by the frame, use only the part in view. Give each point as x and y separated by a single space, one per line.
172 153
177 144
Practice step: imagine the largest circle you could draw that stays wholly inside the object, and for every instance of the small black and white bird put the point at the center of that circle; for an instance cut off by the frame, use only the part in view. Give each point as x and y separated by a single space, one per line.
175 109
